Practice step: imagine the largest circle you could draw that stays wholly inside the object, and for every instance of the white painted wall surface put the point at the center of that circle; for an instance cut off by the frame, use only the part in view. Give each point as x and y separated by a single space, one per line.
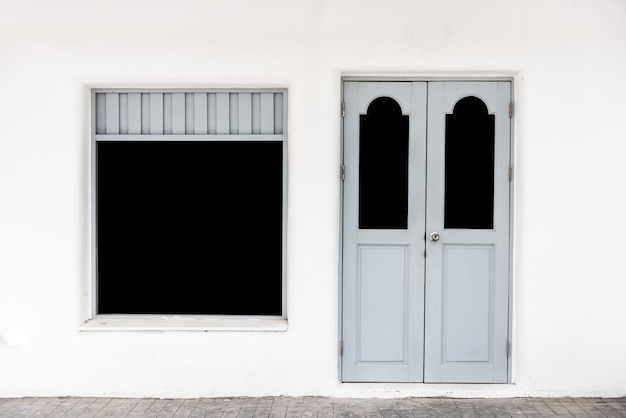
568 59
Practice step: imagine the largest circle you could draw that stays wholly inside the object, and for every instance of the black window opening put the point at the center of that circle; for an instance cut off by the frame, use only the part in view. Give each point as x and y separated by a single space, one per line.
383 166
189 227
469 166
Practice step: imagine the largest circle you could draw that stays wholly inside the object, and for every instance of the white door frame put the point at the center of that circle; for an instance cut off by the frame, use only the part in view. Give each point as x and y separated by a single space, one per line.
511 201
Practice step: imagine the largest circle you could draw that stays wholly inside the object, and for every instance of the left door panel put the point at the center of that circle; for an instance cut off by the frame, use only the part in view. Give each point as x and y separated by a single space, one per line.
384 189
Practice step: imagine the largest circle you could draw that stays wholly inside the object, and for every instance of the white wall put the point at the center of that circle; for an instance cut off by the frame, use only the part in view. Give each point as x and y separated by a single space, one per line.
568 59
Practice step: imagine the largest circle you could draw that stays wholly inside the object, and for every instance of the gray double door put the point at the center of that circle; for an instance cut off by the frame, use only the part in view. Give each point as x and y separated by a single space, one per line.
426 231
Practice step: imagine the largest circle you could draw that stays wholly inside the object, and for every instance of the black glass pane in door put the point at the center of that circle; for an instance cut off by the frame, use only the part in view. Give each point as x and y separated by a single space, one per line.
383 166
469 166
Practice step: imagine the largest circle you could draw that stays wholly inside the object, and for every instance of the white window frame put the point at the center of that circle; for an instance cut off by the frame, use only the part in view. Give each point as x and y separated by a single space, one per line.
155 322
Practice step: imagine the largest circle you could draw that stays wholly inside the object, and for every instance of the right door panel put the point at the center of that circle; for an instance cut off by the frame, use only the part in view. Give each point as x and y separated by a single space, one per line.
467 225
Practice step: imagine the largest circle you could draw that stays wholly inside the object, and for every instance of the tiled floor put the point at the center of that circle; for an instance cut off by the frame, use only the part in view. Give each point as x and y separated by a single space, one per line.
311 407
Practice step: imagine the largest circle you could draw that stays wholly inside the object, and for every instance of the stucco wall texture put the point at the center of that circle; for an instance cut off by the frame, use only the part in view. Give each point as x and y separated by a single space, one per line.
567 60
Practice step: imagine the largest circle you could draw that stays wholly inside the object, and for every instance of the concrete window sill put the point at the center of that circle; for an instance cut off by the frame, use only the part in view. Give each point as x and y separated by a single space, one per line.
181 323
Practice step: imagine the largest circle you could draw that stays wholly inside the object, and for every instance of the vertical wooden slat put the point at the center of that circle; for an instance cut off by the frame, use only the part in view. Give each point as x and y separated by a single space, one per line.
212 110
156 113
178 113
123 113
245 113
267 113
134 113
200 113
101 113
145 113
113 114
167 113
189 113
234 113
223 120
278 113
256 113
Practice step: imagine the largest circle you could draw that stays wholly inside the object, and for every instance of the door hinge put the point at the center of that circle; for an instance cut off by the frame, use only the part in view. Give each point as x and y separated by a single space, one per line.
508 348
510 173
511 109
341 348
343 109
343 172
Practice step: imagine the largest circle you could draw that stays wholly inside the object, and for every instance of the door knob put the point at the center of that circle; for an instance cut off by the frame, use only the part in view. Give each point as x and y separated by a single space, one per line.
434 236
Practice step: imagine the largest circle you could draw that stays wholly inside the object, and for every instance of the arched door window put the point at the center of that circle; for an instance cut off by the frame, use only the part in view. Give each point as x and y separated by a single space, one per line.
469 166
383 166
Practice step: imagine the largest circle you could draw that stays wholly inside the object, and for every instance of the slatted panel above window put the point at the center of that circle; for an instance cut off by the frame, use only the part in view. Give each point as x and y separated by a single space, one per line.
189 113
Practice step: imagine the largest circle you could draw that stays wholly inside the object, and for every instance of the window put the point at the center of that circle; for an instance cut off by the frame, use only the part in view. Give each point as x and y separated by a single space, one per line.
189 202
383 166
